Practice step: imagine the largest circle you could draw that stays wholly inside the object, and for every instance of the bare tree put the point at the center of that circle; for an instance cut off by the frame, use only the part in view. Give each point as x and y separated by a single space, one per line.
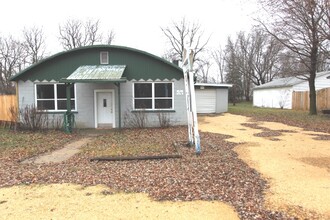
204 71
34 44
264 52
302 26
219 58
256 56
110 37
12 57
233 75
183 33
91 32
76 33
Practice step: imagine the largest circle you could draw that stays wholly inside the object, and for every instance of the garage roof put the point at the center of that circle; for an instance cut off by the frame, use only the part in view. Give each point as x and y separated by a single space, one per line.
220 85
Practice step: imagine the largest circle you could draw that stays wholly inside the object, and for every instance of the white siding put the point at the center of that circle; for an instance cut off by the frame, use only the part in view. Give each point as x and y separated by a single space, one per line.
25 93
273 98
222 100
84 117
206 100
177 117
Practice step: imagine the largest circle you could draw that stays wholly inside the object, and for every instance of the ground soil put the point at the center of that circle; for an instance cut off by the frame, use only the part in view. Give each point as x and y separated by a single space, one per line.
69 201
296 163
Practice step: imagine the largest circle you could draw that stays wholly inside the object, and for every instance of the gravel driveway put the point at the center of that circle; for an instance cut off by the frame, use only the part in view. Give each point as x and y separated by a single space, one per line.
295 162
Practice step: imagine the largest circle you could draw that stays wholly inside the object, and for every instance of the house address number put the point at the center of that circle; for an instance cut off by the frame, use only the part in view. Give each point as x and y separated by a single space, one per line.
179 92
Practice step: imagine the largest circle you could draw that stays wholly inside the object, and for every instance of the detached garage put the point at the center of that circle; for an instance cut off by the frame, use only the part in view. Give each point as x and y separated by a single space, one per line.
211 98
278 93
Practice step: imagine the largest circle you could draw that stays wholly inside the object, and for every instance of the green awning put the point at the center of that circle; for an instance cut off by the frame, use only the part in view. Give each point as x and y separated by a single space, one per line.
97 73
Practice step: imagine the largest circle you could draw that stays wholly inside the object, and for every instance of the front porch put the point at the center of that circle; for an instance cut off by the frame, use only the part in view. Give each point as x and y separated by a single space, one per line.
97 96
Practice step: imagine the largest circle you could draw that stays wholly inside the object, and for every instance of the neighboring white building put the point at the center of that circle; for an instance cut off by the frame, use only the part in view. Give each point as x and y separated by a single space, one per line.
211 98
278 93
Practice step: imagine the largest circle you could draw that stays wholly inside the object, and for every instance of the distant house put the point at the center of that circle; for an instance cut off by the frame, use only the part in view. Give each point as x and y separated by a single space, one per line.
104 85
212 98
278 93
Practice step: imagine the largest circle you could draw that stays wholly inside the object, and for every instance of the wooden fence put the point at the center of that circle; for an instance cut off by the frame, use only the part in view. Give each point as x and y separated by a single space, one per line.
300 100
6 102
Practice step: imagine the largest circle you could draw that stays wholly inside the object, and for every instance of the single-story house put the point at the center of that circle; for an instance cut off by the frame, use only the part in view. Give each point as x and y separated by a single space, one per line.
278 93
104 86
211 98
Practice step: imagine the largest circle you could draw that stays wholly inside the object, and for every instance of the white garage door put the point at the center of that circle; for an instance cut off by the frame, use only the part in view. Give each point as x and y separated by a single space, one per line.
205 100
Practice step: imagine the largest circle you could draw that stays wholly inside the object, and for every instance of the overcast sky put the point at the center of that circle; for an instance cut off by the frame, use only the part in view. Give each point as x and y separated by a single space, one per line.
136 23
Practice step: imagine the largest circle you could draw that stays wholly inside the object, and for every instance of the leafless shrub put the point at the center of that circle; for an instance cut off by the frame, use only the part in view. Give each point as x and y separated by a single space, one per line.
135 119
32 118
14 115
164 119
57 122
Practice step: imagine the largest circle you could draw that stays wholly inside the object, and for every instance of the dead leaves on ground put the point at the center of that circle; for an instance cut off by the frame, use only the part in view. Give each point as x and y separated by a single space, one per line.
217 174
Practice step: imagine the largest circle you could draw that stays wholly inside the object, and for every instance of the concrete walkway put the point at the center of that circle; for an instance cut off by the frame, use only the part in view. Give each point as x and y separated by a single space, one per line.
60 155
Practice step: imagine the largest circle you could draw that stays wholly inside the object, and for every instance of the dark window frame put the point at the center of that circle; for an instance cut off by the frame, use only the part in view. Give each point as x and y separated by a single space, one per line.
151 100
55 100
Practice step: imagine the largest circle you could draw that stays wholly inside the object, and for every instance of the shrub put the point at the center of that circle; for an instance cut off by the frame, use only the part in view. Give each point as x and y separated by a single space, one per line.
32 119
164 119
135 119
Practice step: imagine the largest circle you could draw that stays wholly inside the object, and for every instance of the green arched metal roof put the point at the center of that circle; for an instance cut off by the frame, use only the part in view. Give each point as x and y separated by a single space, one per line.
139 64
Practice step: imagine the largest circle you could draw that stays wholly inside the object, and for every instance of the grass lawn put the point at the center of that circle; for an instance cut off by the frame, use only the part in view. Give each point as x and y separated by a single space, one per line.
135 142
27 144
302 119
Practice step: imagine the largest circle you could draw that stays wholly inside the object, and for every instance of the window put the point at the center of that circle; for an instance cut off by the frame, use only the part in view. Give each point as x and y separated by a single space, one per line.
53 97
104 57
153 96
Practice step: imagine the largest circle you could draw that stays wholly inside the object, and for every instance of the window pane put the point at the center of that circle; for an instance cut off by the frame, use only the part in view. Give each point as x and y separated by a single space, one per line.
163 103
143 104
61 104
142 90
163 89
46 105
61 91
45 91
104 57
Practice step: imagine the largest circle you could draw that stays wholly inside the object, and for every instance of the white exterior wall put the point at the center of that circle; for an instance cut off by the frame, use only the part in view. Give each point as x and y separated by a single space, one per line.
84 114
273 98
25 93
178 116
222 100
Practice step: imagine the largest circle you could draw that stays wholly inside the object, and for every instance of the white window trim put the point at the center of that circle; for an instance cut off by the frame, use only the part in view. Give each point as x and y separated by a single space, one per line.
55 98
101 55
153 97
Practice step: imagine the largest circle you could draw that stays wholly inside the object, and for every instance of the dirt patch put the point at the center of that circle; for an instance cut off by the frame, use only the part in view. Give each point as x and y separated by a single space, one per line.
322 162
296 186
70 201
321 137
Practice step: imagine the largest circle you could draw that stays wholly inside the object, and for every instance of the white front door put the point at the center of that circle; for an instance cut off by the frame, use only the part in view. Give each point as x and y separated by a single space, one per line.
104 109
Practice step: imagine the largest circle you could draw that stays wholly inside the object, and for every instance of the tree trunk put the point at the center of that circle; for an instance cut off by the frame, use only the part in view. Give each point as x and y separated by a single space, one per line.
312 76
312 95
